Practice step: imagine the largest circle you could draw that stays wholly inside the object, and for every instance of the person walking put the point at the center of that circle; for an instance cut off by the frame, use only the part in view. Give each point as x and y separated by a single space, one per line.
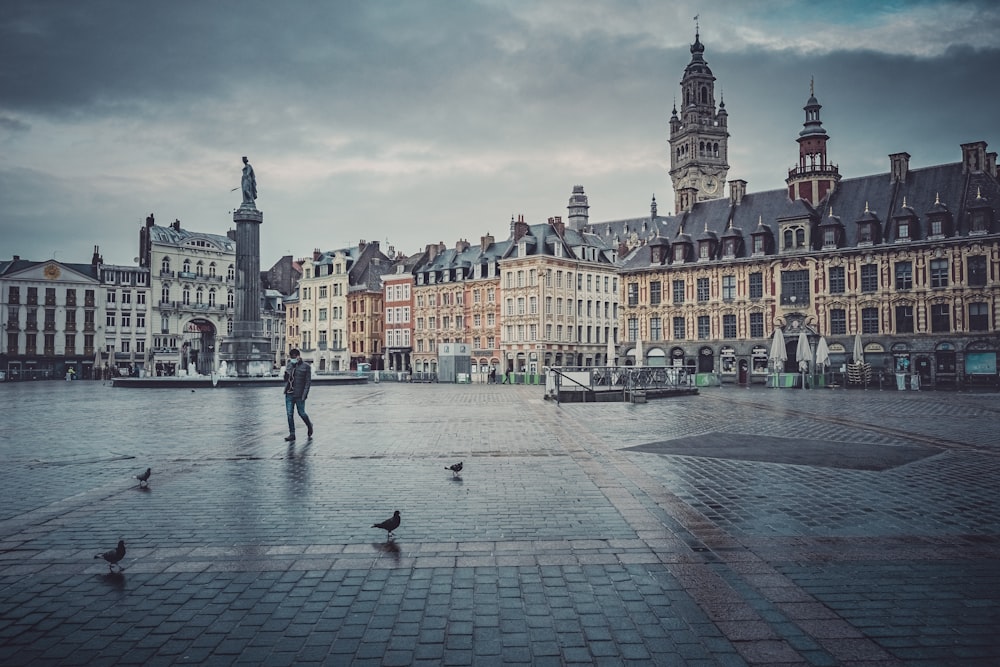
298 378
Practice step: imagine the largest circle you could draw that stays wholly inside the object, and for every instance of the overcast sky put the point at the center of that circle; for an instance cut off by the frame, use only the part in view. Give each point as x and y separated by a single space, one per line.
411 122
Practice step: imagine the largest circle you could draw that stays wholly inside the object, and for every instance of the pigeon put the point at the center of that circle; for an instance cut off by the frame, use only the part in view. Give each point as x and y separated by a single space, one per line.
114 556
144 477
389 525
455 469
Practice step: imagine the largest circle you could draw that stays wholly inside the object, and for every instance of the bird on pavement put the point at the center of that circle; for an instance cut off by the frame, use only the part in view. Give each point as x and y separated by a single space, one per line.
144 477
389 524
455 469
114 556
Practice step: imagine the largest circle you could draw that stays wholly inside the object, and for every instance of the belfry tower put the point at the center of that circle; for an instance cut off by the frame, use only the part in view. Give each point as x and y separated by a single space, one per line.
813 178
698 136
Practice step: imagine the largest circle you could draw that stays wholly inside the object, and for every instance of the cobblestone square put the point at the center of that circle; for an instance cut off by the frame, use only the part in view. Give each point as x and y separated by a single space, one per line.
576 533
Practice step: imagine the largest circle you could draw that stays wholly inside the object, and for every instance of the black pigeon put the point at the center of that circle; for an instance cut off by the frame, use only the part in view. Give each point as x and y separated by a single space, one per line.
455 469
144 477
114 556
389 525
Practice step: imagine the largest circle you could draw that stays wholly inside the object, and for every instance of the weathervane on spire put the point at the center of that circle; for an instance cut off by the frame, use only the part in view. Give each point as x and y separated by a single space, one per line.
696 27
812 86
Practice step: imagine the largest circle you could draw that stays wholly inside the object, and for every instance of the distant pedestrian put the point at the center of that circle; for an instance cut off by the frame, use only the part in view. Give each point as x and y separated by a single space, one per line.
298 378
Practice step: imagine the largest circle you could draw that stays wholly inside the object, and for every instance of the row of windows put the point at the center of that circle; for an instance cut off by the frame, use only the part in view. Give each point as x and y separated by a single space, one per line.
126 320
557 333
703 290
447 299
593 308
795 285
199 295
14 296
69 344
140 297
199 268
940 322
589 281
445 321
322 291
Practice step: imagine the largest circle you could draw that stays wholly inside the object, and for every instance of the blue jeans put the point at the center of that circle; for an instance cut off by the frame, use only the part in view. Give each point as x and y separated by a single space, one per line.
291 405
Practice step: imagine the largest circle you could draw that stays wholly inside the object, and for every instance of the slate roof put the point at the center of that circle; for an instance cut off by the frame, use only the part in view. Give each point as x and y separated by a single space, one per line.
883 199
169 235
12 266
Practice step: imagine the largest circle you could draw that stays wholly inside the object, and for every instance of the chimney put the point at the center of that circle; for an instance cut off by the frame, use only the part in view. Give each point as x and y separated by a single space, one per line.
231 234
96 259
392 252
899 167
432 251
361 245
486 241
150 221
176 225
558 225
991 164
316 254
737 190
685 200
462 245
17 257
520 228
974 157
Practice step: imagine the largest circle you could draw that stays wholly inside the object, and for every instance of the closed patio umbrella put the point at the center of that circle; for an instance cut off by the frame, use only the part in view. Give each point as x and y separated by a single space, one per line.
859 350
804 355
778 354
638 352
611 351
822 354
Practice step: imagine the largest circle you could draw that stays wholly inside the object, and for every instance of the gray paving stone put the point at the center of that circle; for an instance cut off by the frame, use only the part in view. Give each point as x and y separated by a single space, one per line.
246 551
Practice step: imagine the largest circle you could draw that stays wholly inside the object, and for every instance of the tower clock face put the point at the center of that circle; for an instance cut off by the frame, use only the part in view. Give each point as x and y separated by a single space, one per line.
711 184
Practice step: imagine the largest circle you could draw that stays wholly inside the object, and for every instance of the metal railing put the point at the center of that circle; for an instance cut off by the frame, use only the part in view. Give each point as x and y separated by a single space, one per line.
627 379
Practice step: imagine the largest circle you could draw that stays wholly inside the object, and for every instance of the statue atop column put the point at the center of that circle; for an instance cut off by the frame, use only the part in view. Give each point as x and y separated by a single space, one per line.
249 185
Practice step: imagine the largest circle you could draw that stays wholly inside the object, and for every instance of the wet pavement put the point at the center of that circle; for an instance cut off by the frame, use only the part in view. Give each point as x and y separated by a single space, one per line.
736 527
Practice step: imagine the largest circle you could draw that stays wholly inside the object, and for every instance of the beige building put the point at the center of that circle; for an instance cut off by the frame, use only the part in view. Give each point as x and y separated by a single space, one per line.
559 297
321 316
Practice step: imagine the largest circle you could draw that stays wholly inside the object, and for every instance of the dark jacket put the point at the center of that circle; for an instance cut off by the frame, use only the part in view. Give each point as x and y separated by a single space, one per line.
298 378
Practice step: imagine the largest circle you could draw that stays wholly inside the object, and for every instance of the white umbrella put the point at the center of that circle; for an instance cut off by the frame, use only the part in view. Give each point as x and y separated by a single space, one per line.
638 352
822 353
778 354
802 352
859 350
611 351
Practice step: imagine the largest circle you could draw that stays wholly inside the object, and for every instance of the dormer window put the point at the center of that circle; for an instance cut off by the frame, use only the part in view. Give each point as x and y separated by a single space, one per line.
865 236
678 253
703 250
903 231
758 245
729 248
794 238
937 227
830 238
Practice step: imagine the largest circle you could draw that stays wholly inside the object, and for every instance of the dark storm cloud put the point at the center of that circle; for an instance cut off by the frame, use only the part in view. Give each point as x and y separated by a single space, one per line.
435 120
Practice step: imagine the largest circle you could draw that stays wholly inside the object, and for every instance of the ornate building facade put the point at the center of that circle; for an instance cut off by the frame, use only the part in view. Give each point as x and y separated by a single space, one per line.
192 277
907 260
52 315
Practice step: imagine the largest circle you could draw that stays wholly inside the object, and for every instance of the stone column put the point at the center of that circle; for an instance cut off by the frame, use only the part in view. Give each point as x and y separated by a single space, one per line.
247 350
